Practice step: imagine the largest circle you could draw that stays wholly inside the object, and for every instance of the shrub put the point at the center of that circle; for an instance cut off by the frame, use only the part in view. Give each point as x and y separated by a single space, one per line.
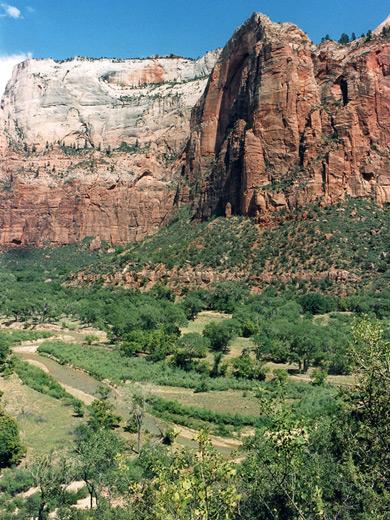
44 383
11 448
91 338
317 303
247 368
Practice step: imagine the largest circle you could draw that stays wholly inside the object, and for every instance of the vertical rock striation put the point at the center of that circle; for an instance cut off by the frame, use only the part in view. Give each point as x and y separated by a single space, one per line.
283 123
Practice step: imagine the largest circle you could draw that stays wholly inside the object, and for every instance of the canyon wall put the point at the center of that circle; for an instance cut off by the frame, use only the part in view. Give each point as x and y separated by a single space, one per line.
284 123
89 148
106 148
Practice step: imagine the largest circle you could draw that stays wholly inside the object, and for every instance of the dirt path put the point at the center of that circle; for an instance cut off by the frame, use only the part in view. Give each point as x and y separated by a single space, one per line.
28 346
38 364
218 442
79 394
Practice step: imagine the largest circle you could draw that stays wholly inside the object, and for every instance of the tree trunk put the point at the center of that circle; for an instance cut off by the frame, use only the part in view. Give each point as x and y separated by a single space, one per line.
41 510
139 439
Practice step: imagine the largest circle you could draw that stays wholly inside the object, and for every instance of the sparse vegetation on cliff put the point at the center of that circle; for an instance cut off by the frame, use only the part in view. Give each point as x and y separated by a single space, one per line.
338 249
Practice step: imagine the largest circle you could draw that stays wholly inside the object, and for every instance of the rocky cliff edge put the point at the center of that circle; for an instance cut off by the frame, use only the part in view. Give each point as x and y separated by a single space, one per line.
284 123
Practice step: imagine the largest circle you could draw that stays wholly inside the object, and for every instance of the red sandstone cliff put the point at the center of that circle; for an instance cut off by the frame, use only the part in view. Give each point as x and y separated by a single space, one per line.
283 123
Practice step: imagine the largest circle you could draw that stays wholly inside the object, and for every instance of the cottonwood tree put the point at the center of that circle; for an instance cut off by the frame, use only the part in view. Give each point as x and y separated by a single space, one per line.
11 448
188 348
219 334
51 477
96 463
139 401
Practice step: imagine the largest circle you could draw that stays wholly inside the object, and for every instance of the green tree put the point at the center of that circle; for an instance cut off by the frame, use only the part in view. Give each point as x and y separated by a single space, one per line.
192 305
247 368
371 407
344 39
101 412
51 477
305 343
227 296
11 448
219 334
4 349
96 460
139 402
190 346
317 303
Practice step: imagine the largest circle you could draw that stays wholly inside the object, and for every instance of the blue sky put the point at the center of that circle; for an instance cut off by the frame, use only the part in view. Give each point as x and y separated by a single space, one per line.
140 28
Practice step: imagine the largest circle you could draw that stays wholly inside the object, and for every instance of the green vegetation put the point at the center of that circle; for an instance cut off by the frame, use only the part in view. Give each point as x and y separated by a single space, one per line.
38 380
312 469
8 338
101 412
331 250
11 448
17 336
344 39
111 365
197 418
4 351
219 335
297 464
189 348
308 297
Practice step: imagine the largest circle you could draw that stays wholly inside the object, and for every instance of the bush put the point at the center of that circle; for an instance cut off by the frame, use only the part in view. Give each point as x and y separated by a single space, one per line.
247 368
11 448
317 303
15 481
91 338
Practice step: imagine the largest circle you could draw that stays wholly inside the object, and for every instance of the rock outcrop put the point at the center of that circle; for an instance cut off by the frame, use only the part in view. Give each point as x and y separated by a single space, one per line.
284 123
88 148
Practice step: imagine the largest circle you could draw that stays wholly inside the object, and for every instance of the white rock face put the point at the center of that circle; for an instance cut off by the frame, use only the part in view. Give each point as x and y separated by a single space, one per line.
103 102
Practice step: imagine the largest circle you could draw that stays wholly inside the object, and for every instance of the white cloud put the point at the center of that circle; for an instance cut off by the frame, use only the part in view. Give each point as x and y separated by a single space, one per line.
7 63
10 10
